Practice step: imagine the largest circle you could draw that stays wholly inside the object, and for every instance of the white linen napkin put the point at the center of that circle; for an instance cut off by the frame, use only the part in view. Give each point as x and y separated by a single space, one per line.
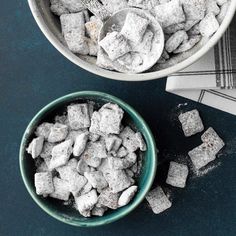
212 79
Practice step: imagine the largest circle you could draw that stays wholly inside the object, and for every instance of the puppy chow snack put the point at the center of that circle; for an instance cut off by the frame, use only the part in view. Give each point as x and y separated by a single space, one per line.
191 122
158 201
127 195
169 13
175 41
43 183
73 30
134 27
36 146
201 156
208 25
78 116
177 175
128 46
212 140
86 157
115 5
115 45
58 133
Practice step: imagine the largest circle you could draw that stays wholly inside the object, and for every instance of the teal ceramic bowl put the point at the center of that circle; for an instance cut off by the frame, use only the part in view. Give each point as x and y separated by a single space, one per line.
54 207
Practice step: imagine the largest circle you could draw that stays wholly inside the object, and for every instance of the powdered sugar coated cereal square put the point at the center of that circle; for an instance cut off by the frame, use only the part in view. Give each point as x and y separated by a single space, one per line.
177 175
158 201
201 156
191 122
115 45
134 27
43 183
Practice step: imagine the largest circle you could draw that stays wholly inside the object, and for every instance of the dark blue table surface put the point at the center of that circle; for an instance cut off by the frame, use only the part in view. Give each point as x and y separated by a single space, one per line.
33 73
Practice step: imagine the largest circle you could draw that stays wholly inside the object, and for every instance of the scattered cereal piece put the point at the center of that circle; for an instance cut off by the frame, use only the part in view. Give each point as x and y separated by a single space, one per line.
60 154
177 175
201 156
115 45
57 133
80 144
191 122
127 196
78 116
86 202
134 27
43 183
36 146
158 201
212 140
209 25
61 189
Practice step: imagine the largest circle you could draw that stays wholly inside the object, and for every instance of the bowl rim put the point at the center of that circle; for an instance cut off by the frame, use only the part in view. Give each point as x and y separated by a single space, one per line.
72 96
130 77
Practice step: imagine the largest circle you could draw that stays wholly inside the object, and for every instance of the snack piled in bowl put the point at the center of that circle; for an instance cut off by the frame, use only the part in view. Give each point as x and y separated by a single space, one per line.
87 158
187 26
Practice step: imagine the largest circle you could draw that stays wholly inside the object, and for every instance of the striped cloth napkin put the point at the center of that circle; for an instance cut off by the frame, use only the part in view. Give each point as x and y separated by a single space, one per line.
211 80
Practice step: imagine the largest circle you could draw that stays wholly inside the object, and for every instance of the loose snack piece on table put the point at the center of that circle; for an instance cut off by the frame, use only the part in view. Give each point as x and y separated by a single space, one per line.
177 175
158 201
207 151
191 122
198 18
87 156
201 156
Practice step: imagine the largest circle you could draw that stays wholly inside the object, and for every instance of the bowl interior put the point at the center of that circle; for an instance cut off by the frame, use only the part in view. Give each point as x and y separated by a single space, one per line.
50 26
56 208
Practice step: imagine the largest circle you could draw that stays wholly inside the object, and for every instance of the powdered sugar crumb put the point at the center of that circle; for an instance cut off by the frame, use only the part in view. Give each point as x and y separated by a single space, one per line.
206 170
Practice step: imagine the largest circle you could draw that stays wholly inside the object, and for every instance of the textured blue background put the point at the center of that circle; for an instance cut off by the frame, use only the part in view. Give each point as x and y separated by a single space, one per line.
32 73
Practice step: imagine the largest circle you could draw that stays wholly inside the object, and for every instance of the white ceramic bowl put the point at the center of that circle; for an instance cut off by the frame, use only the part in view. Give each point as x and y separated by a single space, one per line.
49 24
